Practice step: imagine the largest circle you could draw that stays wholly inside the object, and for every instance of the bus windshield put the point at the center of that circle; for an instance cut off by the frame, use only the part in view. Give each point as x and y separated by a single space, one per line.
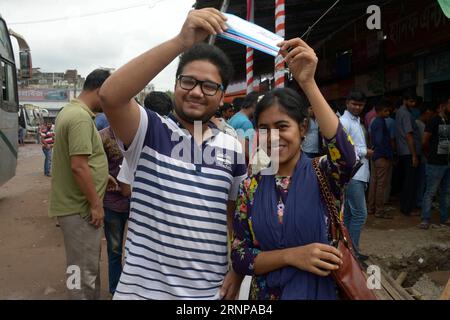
5 45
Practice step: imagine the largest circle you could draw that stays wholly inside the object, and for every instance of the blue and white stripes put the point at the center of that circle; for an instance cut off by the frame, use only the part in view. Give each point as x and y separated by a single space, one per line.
176 245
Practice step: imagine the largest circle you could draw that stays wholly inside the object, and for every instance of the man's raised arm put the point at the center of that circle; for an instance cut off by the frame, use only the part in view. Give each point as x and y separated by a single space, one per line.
119 89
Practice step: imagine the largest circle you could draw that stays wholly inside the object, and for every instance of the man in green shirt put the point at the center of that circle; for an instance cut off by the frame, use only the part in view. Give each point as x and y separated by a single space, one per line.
79 180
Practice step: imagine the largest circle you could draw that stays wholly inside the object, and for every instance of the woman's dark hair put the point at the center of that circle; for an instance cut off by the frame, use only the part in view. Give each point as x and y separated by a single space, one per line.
210 53
295 106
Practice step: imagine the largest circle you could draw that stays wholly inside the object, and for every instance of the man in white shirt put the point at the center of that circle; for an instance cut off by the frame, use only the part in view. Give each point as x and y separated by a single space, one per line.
355 210
186 173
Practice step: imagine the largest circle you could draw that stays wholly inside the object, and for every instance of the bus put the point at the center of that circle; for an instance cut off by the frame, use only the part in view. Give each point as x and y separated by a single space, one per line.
32 118
9 103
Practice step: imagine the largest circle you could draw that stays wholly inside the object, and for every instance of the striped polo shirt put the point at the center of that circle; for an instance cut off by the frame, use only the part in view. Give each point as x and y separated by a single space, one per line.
176 245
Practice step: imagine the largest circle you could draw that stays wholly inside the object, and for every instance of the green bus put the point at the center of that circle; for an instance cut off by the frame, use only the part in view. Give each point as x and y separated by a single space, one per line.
9 103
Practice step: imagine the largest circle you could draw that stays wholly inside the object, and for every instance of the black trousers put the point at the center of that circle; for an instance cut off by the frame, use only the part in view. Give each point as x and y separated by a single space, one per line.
409 184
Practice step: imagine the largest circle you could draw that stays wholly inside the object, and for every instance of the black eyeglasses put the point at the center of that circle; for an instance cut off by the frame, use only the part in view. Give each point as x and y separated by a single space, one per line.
208 88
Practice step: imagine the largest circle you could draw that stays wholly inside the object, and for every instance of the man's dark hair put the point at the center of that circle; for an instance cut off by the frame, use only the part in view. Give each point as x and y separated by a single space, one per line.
250 100
95 79
443 99
428 106
212 54
225 107
356 95
383 103
409 94
237 103
159 102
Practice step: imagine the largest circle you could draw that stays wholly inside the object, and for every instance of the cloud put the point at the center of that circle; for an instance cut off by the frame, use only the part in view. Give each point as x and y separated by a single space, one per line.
86 42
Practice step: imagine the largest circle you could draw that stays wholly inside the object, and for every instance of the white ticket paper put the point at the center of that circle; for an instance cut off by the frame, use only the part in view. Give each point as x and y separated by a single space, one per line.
252 35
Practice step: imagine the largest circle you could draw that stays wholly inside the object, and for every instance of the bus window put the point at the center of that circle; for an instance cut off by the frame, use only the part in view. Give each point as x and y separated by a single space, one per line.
5 45
8 82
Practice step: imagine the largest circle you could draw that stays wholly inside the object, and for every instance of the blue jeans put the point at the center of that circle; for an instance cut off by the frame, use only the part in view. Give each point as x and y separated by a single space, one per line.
355 210
421 182
47 161
21 135
114 232
436 176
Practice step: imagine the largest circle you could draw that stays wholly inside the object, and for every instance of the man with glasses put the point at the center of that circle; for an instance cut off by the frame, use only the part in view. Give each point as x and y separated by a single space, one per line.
186 173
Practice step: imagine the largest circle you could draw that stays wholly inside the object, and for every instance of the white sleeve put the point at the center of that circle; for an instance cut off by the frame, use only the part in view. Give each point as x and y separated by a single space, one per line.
131 155
125 175
234 190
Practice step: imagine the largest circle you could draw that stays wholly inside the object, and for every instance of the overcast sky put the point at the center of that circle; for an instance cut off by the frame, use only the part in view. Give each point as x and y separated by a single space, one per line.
87 39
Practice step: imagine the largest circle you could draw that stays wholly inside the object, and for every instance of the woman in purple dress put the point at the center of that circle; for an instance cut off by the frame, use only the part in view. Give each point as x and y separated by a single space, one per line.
281 225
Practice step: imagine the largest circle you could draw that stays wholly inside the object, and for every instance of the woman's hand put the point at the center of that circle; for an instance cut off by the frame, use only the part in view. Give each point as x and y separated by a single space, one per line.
317 258
112 184
199 24
300 58
231 285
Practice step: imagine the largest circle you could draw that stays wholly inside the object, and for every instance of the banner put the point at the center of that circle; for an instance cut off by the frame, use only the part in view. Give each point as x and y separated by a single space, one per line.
44 95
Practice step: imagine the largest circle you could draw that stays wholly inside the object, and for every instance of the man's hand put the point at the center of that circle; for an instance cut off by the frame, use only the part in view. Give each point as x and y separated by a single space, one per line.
369 153
231 285
97 215
300 58
199 24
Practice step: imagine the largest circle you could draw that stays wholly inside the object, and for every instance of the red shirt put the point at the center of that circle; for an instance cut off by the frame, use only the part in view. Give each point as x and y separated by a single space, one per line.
47 137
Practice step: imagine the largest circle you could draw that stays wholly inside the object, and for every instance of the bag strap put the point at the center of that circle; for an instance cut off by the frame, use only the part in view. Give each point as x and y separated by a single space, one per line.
336 226
325 191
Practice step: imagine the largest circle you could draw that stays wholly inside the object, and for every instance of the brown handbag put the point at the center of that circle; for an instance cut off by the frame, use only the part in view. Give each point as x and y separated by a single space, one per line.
350 278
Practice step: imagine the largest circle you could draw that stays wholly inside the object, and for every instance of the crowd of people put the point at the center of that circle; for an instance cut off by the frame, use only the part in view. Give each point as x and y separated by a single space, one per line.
195 193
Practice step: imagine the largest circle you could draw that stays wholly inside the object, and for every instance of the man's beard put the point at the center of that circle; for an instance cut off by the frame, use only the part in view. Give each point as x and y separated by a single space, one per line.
204 119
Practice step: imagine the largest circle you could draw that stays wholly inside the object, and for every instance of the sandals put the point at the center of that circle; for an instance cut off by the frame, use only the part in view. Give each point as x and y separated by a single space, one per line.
425 225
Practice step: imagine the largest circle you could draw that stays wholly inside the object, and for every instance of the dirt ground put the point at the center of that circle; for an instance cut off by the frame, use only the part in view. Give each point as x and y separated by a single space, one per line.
32 260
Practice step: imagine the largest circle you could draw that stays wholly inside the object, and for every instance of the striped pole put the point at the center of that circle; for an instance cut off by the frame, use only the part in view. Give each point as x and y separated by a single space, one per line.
279 29
249 55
